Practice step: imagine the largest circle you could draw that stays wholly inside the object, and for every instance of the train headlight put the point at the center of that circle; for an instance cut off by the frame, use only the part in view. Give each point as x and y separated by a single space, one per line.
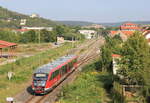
35 84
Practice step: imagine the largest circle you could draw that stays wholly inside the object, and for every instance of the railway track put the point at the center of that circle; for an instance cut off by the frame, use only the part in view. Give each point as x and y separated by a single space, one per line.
87 56
42 98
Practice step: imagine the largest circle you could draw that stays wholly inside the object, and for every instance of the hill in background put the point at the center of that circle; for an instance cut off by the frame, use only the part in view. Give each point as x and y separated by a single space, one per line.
84 23
120 23
10 19
76 23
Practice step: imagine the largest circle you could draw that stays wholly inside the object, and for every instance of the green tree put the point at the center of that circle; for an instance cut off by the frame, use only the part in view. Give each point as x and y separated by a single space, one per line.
112 46
53 36
29 37
61 30
7 35
106 58
48 36
134 65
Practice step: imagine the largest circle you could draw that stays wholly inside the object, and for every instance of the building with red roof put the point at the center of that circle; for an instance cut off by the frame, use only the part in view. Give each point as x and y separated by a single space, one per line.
116 56
126 29
128 33
130 27
21 30
9 45
6 44
113 33
119 32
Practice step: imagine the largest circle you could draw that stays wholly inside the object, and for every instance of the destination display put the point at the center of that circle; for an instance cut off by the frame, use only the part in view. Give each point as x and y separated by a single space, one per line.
40 75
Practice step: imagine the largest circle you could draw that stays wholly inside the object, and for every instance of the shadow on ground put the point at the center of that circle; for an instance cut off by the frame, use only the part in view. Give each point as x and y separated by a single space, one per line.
30 91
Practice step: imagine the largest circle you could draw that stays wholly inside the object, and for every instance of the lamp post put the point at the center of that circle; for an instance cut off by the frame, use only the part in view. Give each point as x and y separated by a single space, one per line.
39 35
39 41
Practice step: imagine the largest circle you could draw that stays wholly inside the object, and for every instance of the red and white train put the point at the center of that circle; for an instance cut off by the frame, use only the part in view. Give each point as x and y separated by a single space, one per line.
48 76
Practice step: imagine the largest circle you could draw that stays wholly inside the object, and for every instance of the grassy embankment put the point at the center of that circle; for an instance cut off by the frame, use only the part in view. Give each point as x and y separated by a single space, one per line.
23 69
24 50
33 48
89 87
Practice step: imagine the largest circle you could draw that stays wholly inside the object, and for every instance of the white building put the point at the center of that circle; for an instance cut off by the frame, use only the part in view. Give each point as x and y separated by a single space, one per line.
38 28
60 40
115 65
88 33
34 16
147 35
96 26
23 21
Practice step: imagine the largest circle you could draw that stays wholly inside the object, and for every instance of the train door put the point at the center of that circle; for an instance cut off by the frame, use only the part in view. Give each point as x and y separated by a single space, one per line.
68 68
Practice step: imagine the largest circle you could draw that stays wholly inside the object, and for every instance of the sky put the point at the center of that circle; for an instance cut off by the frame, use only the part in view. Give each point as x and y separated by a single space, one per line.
98 11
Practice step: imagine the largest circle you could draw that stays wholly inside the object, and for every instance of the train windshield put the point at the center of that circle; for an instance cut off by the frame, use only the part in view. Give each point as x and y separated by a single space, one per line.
40 79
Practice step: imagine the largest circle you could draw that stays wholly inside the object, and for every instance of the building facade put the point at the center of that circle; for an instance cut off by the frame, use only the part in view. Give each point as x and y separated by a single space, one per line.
126 29
38 28
34 16
130 27
95 26
115 65
89 34
146 34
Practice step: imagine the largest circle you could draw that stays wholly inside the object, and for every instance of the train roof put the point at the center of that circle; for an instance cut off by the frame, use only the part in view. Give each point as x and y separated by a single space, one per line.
48 67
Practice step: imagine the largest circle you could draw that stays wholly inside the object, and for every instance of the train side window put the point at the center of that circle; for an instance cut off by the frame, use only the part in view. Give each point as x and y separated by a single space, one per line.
57 72
71 65
54 74
75 61
64 69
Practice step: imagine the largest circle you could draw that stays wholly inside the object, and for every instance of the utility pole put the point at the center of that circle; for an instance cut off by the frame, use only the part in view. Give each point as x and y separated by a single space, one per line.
72 42
39 36
39 39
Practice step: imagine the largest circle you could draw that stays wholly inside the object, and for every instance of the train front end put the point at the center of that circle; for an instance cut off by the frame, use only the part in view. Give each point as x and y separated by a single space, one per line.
39 83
